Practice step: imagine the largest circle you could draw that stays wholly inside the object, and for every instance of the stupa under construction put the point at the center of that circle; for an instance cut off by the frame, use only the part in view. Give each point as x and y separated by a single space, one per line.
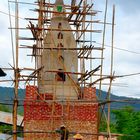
67 66
59 97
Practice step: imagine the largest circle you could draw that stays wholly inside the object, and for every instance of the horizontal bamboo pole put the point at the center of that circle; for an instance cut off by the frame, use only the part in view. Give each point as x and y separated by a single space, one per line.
52 29
72 49
65 13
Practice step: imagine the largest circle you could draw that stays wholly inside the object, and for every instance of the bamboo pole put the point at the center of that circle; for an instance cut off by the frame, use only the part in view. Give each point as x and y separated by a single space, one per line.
101 102
71 20
12 42
15 106
72 49
82 62
103 43
48 29
111 70
91 28
102 54
65 13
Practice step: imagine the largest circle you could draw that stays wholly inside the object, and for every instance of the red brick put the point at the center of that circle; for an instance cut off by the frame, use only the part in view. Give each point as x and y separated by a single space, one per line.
47 116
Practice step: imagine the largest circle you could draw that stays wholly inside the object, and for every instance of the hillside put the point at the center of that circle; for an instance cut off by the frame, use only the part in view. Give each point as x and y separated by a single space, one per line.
135 103
7 95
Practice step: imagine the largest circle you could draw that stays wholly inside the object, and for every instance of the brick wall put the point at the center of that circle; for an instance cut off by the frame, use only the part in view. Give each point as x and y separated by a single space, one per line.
41 118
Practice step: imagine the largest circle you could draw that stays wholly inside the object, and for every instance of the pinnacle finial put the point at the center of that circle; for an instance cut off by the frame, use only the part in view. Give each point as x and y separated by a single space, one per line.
59 2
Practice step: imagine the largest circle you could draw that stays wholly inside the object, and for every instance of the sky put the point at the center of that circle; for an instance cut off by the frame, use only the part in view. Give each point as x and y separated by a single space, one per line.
127 37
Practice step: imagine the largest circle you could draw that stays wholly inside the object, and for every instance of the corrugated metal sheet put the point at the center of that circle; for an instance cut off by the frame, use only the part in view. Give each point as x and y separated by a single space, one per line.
9 137
6 117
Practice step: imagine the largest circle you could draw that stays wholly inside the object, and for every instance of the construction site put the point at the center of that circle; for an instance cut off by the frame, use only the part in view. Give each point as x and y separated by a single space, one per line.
67 69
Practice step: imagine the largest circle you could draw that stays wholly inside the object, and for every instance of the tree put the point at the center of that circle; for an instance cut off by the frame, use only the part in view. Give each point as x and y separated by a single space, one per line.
127 121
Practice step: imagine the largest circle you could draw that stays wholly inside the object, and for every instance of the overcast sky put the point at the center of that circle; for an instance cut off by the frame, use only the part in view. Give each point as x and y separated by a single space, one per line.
127 37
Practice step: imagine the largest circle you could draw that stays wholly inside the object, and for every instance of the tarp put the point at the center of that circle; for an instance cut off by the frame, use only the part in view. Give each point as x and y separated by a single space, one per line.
2 73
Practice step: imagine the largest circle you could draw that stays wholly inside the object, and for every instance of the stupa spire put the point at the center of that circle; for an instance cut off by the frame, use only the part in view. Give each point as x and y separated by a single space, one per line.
59 2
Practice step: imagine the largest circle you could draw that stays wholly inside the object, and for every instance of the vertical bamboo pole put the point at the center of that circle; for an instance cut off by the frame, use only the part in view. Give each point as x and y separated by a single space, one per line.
38 60
11 31
83 28
103 43
102 55
111 69
91 28
15 106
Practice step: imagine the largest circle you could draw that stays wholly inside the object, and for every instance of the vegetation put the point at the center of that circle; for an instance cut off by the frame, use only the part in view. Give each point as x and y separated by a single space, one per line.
5 128
127 122
4 108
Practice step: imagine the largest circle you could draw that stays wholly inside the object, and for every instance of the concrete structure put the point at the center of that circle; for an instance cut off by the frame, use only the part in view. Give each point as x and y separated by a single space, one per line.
58 99
60 83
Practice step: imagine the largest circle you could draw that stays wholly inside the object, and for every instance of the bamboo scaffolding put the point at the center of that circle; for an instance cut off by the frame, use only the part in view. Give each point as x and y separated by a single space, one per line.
74 9
102 55
73 133
72 21
90 84
87 75
50 5
111 71
15 105
100 102
56 48
81 13
77 18
86 58
20 69
65 13
75 73
103 43
22 2
83 18
48 29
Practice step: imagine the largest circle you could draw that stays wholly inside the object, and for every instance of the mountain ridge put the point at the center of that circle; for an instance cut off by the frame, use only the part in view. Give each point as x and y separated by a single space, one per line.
7 96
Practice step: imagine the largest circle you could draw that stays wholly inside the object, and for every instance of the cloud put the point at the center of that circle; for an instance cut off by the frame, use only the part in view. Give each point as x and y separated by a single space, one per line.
127 6
127 36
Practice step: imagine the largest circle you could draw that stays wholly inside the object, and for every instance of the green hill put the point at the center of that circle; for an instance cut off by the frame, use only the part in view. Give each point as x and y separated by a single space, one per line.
134 102
7 96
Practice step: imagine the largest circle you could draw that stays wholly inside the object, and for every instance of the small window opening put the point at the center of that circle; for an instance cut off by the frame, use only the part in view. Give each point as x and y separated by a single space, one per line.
60 76
60 35
59 25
